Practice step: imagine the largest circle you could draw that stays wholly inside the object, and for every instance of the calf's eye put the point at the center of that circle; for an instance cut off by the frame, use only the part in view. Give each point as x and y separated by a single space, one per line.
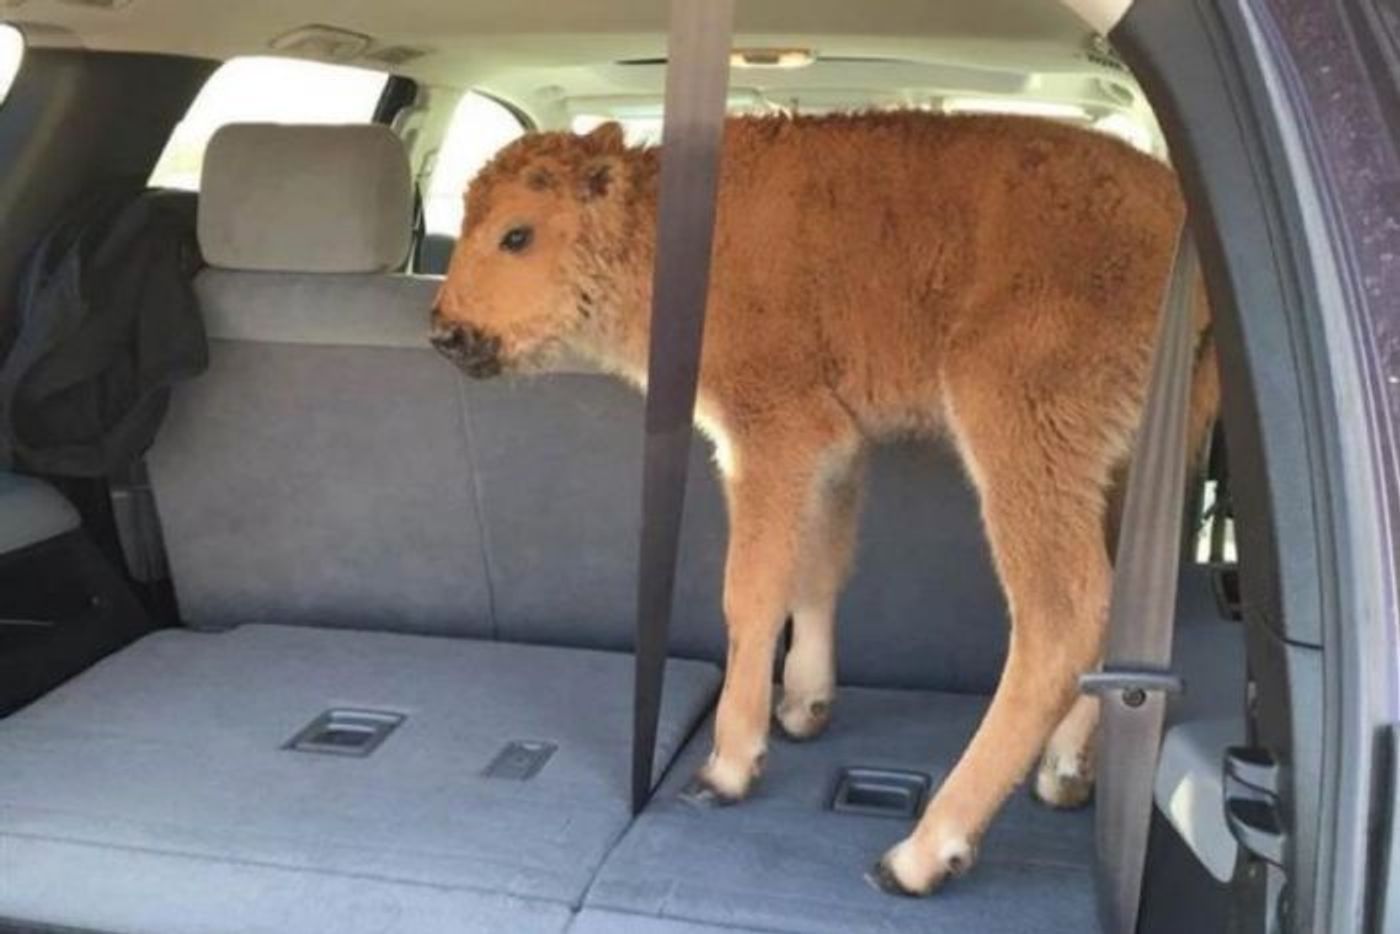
517 239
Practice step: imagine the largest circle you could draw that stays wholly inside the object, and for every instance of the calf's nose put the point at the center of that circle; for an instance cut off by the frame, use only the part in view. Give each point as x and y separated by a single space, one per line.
474 350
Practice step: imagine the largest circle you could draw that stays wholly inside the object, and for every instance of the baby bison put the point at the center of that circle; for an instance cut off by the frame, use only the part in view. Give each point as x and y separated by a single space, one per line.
995 281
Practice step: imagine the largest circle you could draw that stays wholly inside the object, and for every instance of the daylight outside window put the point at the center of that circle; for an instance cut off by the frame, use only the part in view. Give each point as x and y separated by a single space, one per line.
480 127
11 53
265 90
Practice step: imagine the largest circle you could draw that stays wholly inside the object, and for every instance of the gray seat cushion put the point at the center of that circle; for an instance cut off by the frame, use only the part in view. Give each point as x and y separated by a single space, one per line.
162 772
191 896
782 861
599 921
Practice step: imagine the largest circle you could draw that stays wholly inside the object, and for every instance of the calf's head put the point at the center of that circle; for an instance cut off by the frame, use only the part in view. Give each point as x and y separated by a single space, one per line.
528 276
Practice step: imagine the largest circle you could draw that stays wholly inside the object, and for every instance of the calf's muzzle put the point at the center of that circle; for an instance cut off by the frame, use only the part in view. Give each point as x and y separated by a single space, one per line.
474 350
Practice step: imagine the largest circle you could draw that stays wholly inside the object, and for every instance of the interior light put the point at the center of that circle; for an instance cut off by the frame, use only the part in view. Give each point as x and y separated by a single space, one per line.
771 58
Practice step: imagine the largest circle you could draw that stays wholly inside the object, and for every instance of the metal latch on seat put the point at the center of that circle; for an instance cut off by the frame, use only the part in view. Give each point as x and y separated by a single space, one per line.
520 760
346 732
1133 683
1252 782
880 792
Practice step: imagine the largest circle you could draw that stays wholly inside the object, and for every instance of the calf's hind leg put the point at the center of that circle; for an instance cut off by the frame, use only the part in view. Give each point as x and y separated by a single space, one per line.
1065 778
825 550
1042 504
769 493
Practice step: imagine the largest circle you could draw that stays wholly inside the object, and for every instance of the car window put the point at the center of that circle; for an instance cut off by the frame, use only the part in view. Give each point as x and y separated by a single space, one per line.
11 53
637 131
265 90
480 126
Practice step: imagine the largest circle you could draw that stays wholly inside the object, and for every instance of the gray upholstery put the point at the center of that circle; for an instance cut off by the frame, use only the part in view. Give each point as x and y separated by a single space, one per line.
319 472
301 308
322 485
782 861
558 460
180 895
305 199
31 511
601 921
161 774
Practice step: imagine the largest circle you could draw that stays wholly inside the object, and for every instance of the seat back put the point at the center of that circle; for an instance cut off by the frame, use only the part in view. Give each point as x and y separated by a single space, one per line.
318 473
558 461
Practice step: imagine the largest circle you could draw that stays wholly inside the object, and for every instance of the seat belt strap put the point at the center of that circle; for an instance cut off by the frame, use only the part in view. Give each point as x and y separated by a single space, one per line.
697 79
138 524
1136 676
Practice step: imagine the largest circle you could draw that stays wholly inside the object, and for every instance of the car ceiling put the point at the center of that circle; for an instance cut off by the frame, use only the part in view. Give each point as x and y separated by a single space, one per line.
458 41
557 59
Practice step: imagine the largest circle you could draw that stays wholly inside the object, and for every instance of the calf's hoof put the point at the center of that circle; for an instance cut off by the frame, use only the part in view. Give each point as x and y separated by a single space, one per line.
799 719
719 784
699 793
1063 783
904 871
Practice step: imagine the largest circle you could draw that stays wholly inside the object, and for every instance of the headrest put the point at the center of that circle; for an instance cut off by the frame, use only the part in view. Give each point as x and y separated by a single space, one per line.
277 198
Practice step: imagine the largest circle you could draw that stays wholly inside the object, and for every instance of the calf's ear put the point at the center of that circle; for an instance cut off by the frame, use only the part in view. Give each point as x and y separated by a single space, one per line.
604 148
607 137
597 178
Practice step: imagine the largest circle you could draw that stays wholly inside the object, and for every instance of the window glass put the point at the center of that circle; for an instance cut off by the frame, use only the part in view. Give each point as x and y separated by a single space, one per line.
636 130
1215 536
265 90
480 126
11 53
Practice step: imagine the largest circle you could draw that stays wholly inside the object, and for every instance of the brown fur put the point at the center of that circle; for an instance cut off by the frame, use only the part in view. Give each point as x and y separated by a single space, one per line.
995 281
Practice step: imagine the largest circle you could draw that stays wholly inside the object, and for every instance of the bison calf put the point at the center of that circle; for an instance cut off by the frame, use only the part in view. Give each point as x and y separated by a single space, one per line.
995 281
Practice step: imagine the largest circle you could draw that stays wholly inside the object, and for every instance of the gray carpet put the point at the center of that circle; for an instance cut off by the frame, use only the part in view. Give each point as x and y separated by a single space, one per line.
158 778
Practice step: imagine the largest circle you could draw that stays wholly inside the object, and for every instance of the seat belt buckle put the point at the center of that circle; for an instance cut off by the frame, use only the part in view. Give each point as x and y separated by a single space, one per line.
1132 683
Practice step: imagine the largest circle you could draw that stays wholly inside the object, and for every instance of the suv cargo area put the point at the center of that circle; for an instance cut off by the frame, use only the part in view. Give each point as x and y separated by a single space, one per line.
355 529
381 676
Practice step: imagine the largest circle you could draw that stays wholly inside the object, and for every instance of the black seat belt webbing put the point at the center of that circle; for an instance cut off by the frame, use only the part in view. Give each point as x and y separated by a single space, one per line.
1136 675
138 524
697 78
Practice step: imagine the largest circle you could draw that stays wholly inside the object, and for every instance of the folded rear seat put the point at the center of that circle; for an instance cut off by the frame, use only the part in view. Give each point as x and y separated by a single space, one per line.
316 484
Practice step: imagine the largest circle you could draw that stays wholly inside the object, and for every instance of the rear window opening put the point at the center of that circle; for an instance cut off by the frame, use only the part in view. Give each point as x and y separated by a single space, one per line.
261 89
11 55
480 126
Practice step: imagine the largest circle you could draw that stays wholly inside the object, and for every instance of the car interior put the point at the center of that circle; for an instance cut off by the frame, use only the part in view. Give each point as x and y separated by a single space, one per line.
371 668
